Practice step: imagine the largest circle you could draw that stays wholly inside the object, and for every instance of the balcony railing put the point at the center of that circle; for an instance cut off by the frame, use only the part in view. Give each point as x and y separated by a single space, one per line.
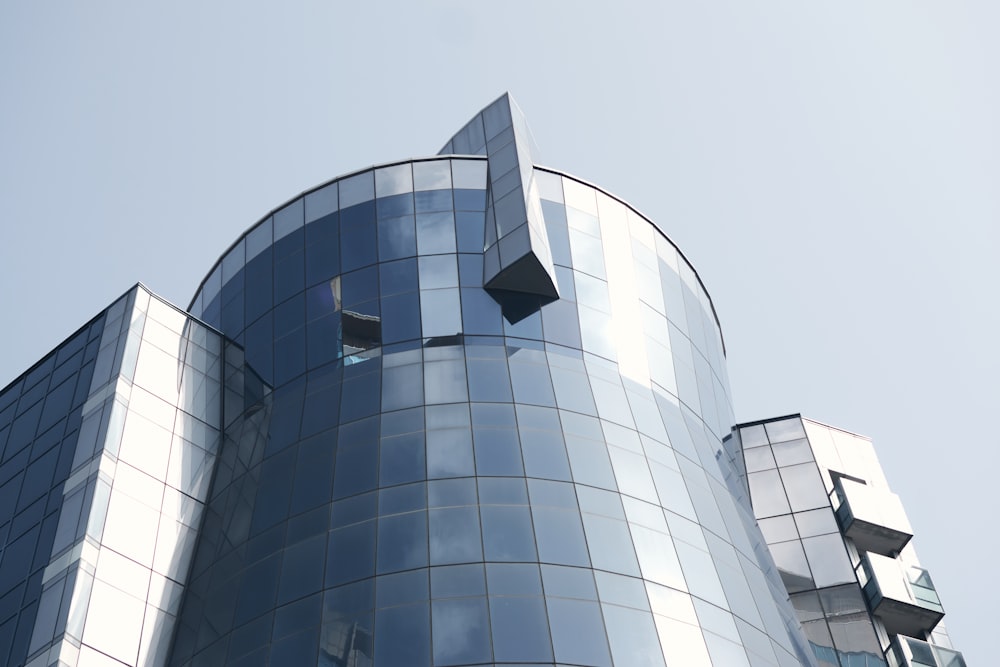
872 517
903 597
910 652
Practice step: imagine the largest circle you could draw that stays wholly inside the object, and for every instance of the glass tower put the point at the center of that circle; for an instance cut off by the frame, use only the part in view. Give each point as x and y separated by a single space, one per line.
461 410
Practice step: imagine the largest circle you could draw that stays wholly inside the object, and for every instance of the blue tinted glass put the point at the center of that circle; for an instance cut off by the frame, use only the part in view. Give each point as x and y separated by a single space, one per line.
454 535
438 271
323 343
497 451
561 323
402 636
254 634
401 317
403 387
394 206
633 637
398 277
461 631
451 492
401 588
471 231
553 494
302 569
397 238
531 383
322 403
449 453
323 248
289 315
555 224
433 200
359 286
511 579
361 391
544 455
297 649
289 275
402 542
507 534
402 421
560 537
502 491
444 381
436 231
590 463
405 498
348 621
232 310
357 459
457 581
313 473
290 356
520 630
274 491
353 510
402 459
351 553
357 236
578 632
610 545
569 582
259 351
258 589
470 200
470 270
320 300
480 313
529 327
489 381
308 524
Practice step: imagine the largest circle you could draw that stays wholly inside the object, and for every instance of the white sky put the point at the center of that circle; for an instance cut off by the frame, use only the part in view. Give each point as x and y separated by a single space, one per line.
831 169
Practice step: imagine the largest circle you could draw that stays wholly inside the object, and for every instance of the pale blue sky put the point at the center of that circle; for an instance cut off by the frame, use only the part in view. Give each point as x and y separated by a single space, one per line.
831 169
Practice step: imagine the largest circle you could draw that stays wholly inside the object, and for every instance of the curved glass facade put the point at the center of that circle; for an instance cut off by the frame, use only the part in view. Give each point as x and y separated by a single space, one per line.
423 482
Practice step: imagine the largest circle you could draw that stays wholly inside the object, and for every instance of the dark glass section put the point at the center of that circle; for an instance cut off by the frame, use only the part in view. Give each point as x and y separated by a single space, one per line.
40 416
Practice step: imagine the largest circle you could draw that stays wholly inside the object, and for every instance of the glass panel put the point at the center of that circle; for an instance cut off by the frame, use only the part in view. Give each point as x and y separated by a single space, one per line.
461 631
441 313
578 632
436 232
792 565
804 487
436 175
454 535
828 560
402 636
507 534
768 494
402 542
356 189
520 631
632 636
560 537
393 180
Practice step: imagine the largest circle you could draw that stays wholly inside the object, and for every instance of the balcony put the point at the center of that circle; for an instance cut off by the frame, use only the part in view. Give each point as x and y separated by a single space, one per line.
910 652
872 517
903 597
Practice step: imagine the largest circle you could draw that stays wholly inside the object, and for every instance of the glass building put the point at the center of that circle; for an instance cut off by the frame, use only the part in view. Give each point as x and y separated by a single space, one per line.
460 410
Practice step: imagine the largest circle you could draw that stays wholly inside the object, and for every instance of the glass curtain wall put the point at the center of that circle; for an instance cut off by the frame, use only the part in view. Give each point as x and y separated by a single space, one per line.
429 484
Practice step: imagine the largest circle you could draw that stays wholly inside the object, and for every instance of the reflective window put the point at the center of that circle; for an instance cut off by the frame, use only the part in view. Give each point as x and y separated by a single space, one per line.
519 629
461 631
578 632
